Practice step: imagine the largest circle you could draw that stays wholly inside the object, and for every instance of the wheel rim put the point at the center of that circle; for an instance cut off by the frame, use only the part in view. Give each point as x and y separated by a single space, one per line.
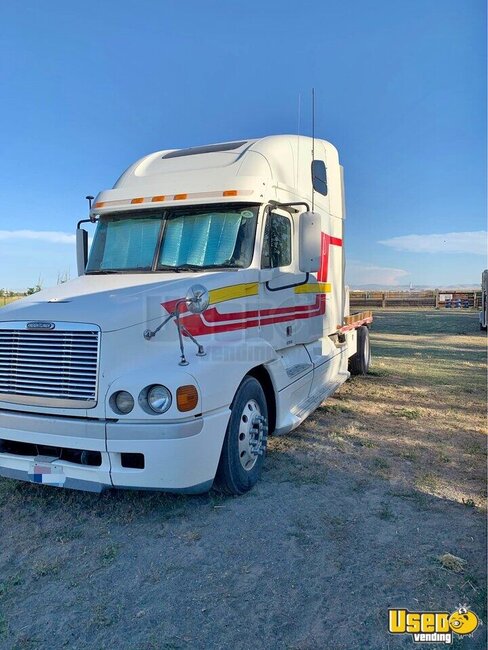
366 351
252 435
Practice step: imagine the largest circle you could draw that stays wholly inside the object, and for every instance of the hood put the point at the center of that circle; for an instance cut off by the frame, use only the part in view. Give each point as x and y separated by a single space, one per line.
113 302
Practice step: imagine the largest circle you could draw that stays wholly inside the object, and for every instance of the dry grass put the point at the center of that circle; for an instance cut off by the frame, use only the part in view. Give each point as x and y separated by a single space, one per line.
452 563
6 301
361 508
419 416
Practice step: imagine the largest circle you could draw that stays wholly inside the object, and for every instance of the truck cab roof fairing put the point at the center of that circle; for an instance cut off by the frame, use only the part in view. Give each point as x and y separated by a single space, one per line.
281 162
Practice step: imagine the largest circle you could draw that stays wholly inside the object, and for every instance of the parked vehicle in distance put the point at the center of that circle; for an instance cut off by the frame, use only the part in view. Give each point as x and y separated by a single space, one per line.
210 311
484 300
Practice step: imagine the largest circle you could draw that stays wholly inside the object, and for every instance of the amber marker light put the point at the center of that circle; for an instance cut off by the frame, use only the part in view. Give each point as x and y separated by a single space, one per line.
100 204
186 398
157 199
229 193
139 199
180 197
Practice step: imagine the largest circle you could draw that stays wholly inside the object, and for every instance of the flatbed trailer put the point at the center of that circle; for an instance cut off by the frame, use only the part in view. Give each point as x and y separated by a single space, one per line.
356 320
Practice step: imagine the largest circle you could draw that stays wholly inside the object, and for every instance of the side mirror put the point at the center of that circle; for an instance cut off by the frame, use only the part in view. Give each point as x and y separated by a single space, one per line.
310 236
81 250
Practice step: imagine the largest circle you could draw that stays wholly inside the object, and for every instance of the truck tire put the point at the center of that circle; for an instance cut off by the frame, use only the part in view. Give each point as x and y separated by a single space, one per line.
244 447
359 362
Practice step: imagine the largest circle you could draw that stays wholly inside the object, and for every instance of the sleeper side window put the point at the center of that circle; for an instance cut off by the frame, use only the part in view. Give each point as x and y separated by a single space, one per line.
319 177
277 242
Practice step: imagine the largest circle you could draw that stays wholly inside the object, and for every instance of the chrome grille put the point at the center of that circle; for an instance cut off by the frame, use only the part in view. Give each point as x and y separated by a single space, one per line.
57 367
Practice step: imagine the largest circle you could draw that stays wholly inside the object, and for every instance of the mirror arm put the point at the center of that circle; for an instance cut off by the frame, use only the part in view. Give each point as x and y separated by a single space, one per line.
82 244
277 204
182 331
90 220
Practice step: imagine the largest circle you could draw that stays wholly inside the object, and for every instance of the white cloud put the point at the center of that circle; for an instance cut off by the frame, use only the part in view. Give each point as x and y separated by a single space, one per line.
473 242
51 236
362 274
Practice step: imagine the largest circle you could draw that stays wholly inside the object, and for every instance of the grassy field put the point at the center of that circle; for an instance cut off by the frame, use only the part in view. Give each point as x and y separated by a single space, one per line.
354 513
4 300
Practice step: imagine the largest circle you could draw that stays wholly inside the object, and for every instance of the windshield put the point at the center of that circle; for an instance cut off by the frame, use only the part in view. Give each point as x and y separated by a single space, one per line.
179 239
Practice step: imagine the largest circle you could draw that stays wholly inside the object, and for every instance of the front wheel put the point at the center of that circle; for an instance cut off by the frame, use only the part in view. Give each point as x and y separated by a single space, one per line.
359 362
245 441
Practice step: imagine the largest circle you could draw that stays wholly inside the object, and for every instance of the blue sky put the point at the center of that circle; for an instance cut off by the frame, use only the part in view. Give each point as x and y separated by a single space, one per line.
89 87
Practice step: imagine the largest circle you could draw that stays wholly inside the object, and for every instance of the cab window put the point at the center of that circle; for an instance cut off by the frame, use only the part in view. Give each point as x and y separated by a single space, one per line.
277 242
319 177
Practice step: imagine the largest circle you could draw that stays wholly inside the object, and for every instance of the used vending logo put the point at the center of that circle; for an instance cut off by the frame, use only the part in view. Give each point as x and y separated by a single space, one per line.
432 627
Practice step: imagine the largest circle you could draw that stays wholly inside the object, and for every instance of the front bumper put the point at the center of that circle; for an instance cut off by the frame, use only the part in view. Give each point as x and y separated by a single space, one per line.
178 457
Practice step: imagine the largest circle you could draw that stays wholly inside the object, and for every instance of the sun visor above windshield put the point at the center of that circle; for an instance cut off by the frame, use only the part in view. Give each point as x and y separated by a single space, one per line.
191 188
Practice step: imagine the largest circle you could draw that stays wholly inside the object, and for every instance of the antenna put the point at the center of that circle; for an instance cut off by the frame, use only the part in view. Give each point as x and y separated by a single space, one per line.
313 140
298 134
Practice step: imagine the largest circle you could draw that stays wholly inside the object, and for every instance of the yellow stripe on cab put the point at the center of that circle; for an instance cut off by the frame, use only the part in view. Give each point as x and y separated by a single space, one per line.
233 292
314 287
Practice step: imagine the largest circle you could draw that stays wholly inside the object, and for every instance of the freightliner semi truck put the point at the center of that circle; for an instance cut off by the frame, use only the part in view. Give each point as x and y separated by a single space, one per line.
209 312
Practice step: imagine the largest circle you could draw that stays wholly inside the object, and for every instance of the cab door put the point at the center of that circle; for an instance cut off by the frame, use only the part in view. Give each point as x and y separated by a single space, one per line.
279 277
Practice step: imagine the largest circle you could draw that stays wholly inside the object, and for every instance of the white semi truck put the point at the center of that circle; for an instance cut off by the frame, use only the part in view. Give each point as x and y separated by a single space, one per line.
210 311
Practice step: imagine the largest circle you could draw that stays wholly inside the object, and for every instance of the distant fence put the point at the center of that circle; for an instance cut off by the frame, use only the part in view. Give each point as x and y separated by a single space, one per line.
458 299
4 300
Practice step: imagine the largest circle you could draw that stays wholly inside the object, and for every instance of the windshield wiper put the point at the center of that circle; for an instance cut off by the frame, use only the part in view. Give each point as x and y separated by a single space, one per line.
120 271
104 272
168 267
180 268
194 267
189 267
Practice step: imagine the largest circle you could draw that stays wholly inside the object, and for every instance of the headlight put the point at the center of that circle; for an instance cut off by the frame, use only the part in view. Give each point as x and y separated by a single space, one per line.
122 402
158 398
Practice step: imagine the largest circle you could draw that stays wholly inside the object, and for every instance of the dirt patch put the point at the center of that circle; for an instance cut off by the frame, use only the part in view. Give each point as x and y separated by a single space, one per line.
354 514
